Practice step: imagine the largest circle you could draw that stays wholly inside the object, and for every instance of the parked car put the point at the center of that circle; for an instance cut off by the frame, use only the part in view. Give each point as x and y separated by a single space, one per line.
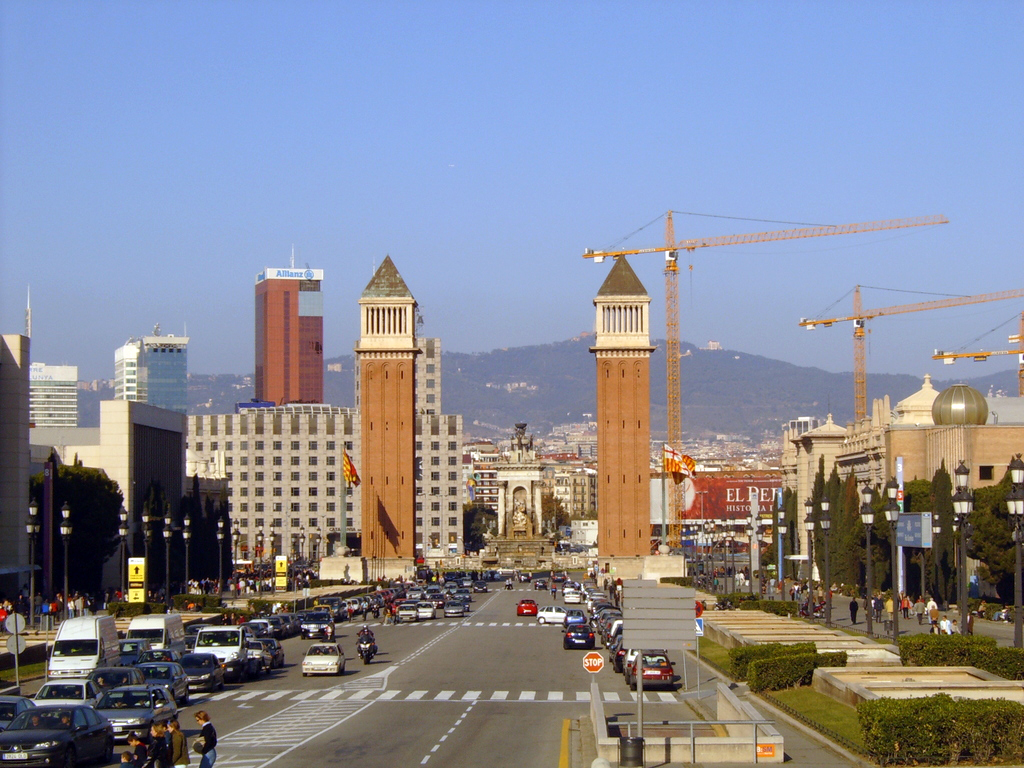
551 614
136 708
11 707
159 654
275 649
203 671
578 636
324 659
113 677
526 608
171 675
58 736
66 692
657 671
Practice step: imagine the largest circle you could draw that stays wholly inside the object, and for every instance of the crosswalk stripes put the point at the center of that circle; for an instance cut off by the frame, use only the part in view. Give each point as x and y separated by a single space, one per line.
367 694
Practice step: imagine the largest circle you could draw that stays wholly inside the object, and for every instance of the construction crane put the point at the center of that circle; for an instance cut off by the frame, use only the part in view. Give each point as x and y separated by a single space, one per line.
671 250
860 318
1018 338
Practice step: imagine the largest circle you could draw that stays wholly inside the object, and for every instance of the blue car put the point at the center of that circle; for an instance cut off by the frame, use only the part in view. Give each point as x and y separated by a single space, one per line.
574 617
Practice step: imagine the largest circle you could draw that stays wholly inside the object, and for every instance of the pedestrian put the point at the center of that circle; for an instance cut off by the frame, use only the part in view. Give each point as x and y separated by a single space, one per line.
854 605
206 743
970 623
944 625
905 606
179 744
156 751
138 748
919 609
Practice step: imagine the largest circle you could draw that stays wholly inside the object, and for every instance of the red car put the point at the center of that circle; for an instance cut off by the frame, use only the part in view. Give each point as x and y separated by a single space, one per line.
657 671
526 608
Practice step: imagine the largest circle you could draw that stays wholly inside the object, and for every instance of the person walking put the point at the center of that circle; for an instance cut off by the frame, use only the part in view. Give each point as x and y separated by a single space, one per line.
919 609
179 744
156 751
854 605
206 743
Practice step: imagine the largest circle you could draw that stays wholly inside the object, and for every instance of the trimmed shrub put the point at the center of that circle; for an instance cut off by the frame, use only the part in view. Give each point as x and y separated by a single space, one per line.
118 610
681 581
1005 662
790 670
203 602
940 730
940 650
740 658
776 607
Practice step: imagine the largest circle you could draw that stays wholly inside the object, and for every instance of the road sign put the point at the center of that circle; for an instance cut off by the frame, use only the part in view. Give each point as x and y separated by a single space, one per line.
700 627
136 579
658 616
16 644
15 623
593 662
281 573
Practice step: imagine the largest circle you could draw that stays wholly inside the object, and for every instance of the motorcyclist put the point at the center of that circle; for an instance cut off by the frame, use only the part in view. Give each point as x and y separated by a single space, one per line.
365 633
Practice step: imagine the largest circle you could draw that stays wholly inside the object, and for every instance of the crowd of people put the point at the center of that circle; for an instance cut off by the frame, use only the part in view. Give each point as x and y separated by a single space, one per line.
165 745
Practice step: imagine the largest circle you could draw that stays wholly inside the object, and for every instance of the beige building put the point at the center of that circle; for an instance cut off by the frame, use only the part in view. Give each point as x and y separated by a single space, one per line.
14 461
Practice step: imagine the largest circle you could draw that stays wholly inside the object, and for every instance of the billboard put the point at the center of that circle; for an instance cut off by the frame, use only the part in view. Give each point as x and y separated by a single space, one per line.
720 497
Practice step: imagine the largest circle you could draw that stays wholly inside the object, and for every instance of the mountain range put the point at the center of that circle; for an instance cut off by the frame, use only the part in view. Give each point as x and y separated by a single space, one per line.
722 391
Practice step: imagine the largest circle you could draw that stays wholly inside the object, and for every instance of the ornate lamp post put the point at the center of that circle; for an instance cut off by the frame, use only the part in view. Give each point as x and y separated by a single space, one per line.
783 528
65 534
809 527
892 514
186 533
963 505
302 541
825 521
220 557
32 529
236 536
936 530
319 542
867 516
122 532
147 524
752 538
273 539
1015 504
168 530
259 548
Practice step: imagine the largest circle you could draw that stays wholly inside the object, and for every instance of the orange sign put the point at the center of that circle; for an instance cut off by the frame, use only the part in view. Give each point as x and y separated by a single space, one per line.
766 750
593 662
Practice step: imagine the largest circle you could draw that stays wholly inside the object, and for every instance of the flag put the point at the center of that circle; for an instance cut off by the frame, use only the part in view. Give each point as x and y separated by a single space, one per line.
471 488
349 470
679 464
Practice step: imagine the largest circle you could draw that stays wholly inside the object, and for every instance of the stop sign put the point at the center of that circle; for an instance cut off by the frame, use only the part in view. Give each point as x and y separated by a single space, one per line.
593 662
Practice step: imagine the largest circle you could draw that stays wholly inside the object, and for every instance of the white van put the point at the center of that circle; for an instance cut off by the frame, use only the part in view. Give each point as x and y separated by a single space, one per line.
229 645
163 630
83 644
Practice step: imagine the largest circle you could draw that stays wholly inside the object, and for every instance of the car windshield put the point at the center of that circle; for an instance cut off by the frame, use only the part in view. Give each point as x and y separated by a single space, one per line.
318 617
161 672
655 661
131 646
8 709
124 700
111 678
49 720
213 638
74 648
323 650
146 634
196 661
60 691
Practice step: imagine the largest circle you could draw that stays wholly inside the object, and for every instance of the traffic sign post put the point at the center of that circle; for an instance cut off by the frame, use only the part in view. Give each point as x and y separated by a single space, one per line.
593 662
136 579
15 624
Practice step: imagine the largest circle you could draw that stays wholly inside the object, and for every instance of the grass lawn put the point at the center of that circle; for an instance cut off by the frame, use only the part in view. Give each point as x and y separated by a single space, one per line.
26 670
715 653
823 711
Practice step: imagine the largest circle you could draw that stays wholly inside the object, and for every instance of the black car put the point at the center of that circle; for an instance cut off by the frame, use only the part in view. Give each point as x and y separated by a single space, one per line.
479 586
578 636
540 584
315 625
204 671
49 736
114 677
273 646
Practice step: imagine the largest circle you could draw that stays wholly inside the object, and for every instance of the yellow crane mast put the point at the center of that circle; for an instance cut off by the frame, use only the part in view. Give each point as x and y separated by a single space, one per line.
1018 338
860 318
671 250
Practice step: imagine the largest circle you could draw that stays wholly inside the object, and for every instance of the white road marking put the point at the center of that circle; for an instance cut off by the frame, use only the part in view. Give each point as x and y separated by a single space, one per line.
360 694
248 695
554 695
304 695
471 695
610 696
388 695
444 695
527 695
666 696
223 695
415 695
499 695
582 695
330 695
277 695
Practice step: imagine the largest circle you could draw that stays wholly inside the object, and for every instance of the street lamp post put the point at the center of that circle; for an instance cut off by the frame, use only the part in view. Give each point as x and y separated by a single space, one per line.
963 505
65 534
186 534
259 549
122 566
892 514
826 523
167 554
147 523
867 516
783 528
220 557
273 540
1015 504
302 542
752 538
32 529
809 527
319 542
236 537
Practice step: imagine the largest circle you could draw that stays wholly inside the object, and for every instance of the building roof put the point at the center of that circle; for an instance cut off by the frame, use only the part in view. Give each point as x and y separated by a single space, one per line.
828 429
386 283
622 281
917 408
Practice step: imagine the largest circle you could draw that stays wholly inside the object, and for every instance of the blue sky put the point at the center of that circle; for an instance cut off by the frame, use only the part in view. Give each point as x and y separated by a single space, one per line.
155 156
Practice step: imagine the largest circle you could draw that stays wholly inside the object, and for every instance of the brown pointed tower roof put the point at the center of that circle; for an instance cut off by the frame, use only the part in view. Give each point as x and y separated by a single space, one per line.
386 283
622 281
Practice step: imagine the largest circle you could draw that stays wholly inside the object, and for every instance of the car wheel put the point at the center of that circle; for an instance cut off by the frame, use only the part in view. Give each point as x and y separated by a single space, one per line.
632 685
220 685
541 620
69 758
108 756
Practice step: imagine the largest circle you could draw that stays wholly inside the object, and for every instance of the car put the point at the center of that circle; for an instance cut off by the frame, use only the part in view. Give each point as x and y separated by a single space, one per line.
171 675
275 649
408 611
558 578
11 707
135 708
292 624
480 586
203 671
330 604
526 608
258 655
551 614
190 643
130 650
193 629
67 692
112 677
277 627
316 625
158 654
260 628
426 610
323 659
525 578
578 636
540 584
657 671
454 609
571 596
574 616
58 736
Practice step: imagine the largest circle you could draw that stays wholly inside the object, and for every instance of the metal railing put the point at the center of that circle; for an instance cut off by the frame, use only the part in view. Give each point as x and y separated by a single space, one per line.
691 724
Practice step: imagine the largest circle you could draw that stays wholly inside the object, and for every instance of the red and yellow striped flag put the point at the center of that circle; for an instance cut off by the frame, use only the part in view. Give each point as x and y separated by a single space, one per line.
349 469
679 464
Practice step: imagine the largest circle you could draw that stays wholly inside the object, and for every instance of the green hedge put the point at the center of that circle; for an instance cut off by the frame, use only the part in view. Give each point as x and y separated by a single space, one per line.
204 602
939 729
740 658
777 607
118 610
681 581
789 670
962 651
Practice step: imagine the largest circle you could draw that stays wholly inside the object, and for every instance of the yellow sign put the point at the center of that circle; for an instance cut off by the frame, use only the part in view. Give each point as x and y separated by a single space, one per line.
136 579
281 573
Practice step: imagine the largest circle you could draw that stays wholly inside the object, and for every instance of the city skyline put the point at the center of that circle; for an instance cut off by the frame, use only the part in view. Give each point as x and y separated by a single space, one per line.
157 156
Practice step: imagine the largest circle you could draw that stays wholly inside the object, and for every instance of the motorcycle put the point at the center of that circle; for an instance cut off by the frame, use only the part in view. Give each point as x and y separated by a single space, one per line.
367 649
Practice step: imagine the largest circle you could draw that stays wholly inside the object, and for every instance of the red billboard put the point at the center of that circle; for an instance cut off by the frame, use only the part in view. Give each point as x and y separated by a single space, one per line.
721 496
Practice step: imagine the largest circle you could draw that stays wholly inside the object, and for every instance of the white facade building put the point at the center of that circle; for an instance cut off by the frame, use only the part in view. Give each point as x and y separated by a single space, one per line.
53 395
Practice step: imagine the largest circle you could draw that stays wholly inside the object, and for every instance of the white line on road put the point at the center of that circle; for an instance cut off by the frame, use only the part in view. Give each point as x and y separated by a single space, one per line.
611 696
388 695
415 695
360 694
277 695
304 695
471 695
554 695
248 695
582 695
499 695
444 695
527 695
334 694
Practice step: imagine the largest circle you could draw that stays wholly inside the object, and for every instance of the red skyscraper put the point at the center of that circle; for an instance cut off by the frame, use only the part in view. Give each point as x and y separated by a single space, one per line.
289 336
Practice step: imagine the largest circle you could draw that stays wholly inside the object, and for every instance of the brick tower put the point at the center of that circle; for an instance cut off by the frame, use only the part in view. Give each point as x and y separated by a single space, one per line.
623 351
386 356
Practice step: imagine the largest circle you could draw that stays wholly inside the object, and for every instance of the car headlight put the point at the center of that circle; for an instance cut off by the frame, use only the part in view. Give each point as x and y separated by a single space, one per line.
45 744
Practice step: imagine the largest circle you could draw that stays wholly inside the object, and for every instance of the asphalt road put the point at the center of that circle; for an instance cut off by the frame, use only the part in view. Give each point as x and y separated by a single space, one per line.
491 690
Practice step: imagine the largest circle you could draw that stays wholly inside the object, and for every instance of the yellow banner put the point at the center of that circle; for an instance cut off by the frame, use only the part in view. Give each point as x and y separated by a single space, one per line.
281 565
136 595
136 579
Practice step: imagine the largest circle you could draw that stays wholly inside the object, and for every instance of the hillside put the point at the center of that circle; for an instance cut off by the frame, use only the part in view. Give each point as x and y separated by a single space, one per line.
723 391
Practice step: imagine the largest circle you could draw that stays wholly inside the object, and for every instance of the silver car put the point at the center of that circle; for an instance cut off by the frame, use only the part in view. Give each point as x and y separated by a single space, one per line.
136 708
171 675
